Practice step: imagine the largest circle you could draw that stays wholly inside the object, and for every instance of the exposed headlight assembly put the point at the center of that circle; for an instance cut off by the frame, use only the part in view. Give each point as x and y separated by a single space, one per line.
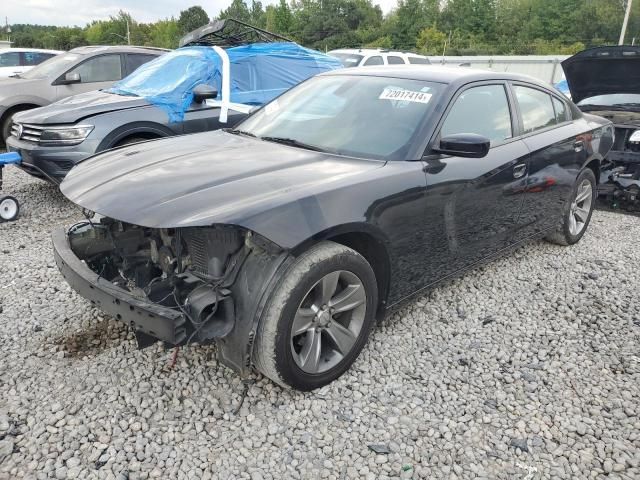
65 135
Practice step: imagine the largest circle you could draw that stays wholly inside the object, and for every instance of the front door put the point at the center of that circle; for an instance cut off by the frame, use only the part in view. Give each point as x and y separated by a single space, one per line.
471 208
96 73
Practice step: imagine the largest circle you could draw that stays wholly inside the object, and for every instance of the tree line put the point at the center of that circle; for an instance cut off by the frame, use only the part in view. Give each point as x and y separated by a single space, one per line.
432 27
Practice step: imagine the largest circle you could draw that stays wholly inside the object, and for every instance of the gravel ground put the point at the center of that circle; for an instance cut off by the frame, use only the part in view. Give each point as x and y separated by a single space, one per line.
526 368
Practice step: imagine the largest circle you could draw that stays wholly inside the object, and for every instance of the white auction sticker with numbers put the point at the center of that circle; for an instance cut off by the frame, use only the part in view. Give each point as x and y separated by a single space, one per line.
404 95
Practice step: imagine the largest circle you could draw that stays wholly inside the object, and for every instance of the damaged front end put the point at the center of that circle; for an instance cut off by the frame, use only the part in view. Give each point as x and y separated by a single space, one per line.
620 172
178 285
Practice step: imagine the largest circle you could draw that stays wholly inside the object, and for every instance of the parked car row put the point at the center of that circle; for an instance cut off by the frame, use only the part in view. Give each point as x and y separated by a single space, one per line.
328 201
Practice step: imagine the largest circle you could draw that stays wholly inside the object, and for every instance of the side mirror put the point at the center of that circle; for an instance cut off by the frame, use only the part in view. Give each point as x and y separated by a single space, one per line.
204 92
70 78
469 145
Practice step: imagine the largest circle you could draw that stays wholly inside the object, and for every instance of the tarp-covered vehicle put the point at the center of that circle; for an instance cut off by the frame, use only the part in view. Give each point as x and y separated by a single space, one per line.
197 88
605 81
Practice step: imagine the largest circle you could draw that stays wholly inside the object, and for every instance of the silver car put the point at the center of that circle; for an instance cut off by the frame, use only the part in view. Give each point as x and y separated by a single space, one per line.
80 70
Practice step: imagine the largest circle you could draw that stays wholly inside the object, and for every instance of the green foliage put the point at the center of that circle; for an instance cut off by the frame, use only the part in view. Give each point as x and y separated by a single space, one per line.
466 26
192 18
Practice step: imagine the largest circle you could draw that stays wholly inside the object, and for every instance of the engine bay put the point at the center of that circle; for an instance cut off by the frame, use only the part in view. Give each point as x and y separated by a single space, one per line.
186 269
620 172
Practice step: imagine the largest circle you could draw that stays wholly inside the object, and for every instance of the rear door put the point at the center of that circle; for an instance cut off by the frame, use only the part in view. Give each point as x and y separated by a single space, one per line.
472 212
558 151
96 73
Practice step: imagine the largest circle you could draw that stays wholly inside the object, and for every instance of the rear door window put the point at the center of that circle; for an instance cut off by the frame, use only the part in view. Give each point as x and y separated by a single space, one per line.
31 59
536 108
394 60
134 60
377 60
562 114
104 68
418 61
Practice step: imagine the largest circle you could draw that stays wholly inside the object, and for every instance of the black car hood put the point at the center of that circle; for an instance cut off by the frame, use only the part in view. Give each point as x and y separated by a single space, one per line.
202 179
603 70
75 108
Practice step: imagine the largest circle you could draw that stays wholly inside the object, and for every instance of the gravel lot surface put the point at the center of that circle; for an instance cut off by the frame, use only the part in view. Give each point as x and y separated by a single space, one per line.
526 368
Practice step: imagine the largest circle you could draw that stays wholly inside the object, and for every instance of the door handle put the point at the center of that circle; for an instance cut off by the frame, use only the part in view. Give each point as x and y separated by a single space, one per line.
519 170
578 146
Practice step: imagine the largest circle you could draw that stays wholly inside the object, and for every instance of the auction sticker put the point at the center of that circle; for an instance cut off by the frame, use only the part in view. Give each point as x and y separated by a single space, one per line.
404 95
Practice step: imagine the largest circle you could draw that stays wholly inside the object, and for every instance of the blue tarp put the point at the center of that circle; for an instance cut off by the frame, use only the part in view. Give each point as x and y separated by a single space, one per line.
259 73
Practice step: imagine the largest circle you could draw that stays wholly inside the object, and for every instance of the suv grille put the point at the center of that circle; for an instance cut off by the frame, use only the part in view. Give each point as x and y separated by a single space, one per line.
30 133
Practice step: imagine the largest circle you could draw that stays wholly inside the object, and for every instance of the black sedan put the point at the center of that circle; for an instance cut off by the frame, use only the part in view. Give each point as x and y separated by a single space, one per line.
284 239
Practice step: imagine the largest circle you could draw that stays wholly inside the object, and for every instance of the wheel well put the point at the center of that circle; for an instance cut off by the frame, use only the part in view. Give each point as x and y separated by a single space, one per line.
375 253
137 135
17 108
594 165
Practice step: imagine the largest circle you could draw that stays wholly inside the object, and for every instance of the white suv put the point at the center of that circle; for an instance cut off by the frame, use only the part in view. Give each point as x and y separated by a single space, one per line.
363 57
19 60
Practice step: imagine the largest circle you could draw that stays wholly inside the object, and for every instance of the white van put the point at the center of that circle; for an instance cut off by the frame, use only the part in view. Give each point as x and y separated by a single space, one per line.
363 57
19 60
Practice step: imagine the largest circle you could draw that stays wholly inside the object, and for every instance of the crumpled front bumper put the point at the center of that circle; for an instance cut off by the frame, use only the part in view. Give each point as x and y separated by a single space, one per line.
151 319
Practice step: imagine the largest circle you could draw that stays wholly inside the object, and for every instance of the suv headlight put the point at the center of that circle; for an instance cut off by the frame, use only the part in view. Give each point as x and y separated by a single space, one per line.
65 135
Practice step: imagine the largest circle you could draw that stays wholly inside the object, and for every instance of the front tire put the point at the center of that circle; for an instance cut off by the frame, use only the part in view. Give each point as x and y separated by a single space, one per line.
318 318
577 212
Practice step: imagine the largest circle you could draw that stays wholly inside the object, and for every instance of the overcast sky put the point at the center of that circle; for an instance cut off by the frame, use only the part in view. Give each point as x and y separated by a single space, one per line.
81 12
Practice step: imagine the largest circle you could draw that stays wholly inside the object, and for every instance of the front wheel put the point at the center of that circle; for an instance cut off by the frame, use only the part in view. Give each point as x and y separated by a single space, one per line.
318 319
577 214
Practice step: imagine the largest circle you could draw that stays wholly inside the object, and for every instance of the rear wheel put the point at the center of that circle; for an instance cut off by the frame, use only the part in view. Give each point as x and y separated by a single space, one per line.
578 210
318 318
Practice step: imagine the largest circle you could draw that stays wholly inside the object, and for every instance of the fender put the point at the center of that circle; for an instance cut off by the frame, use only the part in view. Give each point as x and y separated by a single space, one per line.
136 128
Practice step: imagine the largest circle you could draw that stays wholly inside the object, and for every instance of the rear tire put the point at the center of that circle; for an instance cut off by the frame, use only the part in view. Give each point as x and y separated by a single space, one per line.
577 212
318 318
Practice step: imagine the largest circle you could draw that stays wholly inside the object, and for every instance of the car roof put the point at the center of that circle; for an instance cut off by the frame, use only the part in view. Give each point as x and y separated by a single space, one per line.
89 49
437 73
374 51
26 50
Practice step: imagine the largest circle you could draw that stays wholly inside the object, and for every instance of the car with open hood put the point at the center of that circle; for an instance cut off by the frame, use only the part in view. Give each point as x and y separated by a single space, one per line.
605 81
284 239
195 88
80 70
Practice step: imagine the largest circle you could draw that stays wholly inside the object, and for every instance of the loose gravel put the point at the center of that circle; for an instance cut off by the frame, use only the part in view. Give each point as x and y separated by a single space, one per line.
526 368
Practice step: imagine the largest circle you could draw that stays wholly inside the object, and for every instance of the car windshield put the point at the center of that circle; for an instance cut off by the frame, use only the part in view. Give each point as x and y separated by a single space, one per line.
52 67
348 59
360 116
612 100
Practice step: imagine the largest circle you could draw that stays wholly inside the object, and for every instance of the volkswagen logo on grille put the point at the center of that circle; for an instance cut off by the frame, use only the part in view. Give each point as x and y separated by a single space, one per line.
19 130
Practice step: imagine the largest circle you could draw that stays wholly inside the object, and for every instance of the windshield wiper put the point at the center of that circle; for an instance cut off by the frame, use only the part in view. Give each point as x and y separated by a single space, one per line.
238 132
293 143
15 75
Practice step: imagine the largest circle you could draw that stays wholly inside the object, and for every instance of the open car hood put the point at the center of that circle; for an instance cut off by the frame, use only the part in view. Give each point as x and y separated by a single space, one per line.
602 71
202 179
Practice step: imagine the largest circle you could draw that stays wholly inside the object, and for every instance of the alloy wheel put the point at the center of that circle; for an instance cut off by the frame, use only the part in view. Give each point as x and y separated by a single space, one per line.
580 208
328 322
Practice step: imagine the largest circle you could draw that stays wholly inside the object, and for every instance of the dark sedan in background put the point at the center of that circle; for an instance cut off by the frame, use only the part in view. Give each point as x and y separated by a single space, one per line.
283 240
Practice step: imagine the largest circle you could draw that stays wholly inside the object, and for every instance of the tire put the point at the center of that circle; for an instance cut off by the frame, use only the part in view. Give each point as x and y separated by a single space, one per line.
6 128
9 208
580 211
280 354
